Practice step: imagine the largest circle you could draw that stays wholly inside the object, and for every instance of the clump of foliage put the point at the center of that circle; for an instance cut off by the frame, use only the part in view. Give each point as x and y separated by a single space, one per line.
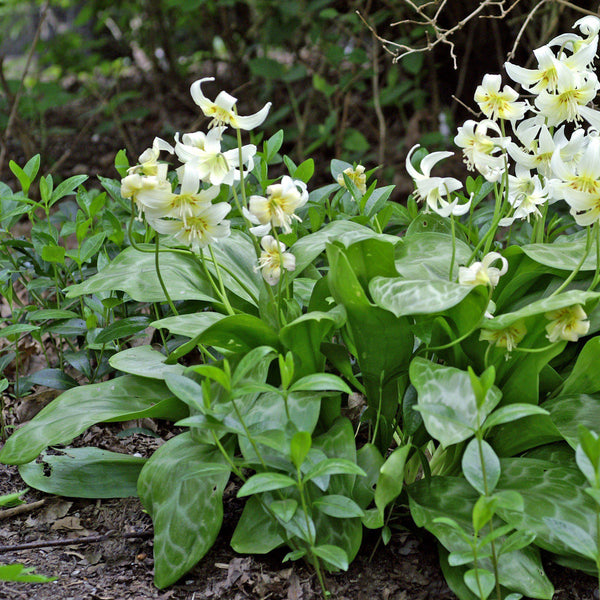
470 339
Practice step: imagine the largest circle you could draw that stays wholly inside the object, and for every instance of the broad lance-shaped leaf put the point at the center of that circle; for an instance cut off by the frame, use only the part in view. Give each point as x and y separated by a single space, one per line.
383 341
134 272
121 399
237 261
569 412
187 512
585 376
83 473
568 298
427 255
189 325
453 497
304 337
416 296
550 491
307 248
145 362
447 402
563 254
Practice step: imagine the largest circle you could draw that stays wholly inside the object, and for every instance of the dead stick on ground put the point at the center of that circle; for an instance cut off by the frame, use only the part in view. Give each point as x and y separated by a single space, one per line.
90 539
21 509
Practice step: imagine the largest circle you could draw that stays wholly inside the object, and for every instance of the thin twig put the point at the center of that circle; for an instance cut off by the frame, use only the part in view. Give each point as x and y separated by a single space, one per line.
21 509
13 110
90 539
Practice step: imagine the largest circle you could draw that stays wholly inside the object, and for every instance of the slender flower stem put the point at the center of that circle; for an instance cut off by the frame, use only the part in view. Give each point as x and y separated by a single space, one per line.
597 272
453 255
588 247
487 493
159 275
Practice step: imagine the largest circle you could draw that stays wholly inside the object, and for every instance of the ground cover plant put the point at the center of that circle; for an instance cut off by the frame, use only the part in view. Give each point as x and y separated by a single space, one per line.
463 325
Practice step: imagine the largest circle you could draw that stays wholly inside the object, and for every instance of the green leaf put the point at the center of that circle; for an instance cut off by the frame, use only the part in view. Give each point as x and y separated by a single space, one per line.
190 325
517 541
13 332
334 466
549 491
52 378
121 399
333 555
338 506
257 532
21 175
83 473
264 482
417 297
320 382
284 509
440 498
563 254
134 272
481 469
53 254
186 511
573 536
428 254
585 376
273 144
512 412
144 361
122 328
567 413
391 477
480 581
541 306
483 511
18 572
448 388
46 314
304 337
300 446
305 170
68 186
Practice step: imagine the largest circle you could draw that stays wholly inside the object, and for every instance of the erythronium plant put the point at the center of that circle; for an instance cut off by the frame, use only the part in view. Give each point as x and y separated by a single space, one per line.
470 340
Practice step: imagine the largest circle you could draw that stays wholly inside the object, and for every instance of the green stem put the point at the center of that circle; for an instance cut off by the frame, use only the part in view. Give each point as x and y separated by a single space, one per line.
597 271
588 247
453 255
486 491
159 275
223 292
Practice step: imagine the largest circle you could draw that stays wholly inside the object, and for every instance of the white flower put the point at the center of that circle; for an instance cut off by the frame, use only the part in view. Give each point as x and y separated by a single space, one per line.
204 226
481 273
525 194
573 90
496 104
161 202
433 189
357 176
203 152
508 338
567 323
222 109
280 203
578 182
480 150
536 80
148 160
272 258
